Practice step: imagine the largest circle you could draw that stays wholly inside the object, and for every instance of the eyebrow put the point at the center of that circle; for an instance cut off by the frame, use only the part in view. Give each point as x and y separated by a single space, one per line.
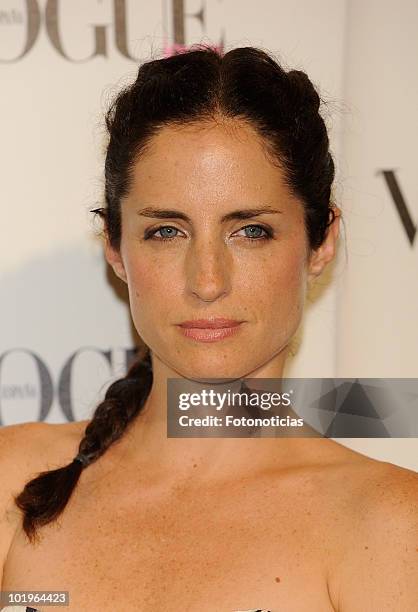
246 213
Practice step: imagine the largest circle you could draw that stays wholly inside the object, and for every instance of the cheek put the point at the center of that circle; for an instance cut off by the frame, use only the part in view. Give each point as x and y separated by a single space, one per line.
279 289
141 280
150 284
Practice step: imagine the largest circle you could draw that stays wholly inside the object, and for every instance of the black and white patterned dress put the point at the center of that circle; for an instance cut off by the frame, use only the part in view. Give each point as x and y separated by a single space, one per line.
18 609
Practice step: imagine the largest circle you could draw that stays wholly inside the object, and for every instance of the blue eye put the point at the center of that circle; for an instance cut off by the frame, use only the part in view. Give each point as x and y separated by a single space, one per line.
152 234
267 232
167 229
169 233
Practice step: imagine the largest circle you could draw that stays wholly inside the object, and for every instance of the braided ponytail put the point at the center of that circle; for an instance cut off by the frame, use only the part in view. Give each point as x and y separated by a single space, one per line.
44 497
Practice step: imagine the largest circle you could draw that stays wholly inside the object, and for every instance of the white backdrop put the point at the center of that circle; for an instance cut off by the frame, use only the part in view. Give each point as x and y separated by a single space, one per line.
65 331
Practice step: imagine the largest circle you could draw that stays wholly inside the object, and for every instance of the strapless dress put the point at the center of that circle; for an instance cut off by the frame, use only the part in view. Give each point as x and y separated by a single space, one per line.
18 609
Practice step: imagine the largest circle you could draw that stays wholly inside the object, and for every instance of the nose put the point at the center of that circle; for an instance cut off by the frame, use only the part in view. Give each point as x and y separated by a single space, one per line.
208 270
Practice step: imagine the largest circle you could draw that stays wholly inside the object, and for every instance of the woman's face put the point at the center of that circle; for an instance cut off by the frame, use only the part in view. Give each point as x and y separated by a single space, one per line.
209 266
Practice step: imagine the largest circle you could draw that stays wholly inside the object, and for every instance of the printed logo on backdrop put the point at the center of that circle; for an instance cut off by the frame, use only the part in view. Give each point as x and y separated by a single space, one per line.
31 17
27 384
400 204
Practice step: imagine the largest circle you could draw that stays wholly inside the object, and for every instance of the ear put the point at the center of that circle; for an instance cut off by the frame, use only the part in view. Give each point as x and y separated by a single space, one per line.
114 259
326 252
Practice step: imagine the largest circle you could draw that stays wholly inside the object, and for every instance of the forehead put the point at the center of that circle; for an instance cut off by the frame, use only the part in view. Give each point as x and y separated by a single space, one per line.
214 161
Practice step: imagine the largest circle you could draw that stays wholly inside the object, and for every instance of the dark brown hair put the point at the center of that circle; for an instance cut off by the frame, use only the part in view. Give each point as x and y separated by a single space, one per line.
192 86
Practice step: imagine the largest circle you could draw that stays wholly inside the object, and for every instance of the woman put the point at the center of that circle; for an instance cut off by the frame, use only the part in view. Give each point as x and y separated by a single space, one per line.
218 182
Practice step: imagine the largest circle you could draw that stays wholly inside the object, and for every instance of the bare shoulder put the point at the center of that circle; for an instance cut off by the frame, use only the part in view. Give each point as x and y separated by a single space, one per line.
33 446
25 450
376 486
378 567
389 496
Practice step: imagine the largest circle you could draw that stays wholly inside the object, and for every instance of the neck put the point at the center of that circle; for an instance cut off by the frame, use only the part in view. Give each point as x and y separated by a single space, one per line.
203 459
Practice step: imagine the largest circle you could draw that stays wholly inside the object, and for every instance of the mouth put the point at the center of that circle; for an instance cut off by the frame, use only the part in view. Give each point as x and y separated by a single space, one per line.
210 330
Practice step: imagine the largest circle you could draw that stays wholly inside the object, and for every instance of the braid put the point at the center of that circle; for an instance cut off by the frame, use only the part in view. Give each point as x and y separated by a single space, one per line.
305 97
309 140
119 407
44 497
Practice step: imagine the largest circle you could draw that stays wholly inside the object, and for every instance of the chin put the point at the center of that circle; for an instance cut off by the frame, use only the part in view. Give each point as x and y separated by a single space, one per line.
204 371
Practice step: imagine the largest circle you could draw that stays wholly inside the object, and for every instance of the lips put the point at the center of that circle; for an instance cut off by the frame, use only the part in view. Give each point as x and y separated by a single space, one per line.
210 330
213 323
